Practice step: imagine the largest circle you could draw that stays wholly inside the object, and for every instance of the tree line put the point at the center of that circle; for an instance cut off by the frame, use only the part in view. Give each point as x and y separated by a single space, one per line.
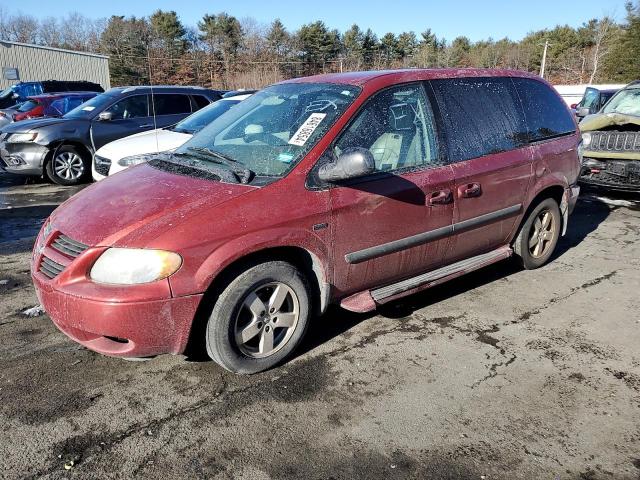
222 51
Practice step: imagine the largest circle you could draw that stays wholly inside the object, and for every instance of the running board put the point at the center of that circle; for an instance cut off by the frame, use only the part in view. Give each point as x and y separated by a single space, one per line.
453 270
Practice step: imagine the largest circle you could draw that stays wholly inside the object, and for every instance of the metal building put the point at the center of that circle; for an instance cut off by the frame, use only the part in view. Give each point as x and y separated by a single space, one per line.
25 62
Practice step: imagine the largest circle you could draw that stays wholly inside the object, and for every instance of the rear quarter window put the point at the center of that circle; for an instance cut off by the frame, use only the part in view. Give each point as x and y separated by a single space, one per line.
480 116
201 101
546 114
171 104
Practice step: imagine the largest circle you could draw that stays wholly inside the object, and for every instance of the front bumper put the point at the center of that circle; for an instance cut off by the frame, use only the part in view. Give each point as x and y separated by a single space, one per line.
137 329
23 158
122 321
623 175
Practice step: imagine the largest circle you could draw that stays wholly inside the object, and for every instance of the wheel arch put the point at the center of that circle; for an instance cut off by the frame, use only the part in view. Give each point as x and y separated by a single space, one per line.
303 258
554 191
54 146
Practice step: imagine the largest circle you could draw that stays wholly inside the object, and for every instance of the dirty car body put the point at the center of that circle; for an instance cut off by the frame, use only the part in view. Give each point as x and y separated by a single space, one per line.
610 147
353 189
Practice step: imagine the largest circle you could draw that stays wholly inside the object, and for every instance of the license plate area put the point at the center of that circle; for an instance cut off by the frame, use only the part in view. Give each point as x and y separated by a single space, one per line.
618 168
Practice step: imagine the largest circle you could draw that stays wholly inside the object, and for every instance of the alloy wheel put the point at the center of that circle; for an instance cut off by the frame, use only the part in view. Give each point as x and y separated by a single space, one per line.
68 166
266 319
542 234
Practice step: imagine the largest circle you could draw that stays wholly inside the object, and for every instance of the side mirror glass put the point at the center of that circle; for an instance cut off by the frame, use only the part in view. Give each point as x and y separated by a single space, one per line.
105 116
352 163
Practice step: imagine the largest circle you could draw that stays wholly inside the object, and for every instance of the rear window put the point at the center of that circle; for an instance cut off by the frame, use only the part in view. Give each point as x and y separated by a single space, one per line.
28 105
171 104
201 101
547 115
480 116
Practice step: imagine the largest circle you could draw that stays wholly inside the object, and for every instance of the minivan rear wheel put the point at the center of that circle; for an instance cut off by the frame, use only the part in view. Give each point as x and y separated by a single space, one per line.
259 319
68 166
539 235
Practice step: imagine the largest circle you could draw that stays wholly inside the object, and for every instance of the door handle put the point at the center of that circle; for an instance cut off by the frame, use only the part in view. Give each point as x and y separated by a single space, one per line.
145 126
441 197
469 190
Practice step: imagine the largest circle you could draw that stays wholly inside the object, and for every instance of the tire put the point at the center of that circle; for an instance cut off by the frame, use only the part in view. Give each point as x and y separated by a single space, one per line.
539 235
251 310
68 166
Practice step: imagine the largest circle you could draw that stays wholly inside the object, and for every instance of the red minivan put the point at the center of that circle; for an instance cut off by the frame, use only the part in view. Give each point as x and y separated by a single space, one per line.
355 188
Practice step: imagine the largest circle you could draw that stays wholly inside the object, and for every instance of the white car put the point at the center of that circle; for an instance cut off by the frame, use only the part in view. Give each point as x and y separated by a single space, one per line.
134 149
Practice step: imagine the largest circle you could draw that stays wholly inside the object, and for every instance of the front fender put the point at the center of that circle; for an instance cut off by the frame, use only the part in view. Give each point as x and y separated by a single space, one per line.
253 243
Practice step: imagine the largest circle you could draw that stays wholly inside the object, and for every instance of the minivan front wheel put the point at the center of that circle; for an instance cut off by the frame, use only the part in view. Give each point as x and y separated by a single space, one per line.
259 319
68 166
539 235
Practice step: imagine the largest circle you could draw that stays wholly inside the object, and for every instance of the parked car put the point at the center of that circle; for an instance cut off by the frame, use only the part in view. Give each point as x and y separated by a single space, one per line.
62 148
134 149
594 99
19 92
6 114
355 188
50 105
610 147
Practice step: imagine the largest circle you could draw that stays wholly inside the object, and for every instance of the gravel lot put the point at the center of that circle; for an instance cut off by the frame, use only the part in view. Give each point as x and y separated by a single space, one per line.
503 374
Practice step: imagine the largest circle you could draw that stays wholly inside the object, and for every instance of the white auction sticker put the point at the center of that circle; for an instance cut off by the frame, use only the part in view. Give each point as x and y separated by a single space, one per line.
306 129
88 108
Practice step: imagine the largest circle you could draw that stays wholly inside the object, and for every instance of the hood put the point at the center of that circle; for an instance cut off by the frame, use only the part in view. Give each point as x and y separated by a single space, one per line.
602 120
133 208
152 141
36 123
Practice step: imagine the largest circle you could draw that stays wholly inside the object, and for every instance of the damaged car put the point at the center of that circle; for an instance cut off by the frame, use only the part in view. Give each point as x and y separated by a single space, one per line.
353 189
610 147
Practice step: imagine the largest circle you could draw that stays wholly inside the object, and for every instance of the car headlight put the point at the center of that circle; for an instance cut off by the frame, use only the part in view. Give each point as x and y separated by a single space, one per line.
130 266
134 160
22 137
586 139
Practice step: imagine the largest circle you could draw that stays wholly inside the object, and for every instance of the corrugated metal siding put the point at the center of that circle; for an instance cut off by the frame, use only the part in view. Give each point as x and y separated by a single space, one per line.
40 63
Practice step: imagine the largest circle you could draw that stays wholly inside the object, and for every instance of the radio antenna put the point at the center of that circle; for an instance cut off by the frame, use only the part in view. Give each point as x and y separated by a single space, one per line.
153 102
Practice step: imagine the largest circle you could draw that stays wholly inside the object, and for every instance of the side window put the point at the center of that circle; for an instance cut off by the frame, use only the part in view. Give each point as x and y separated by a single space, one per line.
130 107
547 115
397 127
480 116
200 101
171 104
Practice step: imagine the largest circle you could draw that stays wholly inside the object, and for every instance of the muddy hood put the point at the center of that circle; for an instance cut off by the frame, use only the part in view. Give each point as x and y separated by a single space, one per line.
136 206
602 120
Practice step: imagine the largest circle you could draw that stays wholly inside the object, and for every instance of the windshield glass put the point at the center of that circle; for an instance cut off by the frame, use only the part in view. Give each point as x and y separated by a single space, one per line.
274 128
626 101
89 108
6 92
28 105
196 122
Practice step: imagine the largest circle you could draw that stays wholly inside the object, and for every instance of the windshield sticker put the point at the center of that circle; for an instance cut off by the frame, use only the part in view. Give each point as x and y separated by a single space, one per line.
88 108
306 129
285 157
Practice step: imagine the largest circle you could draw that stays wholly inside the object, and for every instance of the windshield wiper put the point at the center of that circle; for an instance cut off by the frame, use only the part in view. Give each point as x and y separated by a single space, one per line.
244 174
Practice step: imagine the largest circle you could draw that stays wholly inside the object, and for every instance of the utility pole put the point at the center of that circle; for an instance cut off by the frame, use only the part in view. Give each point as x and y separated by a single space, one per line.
544 58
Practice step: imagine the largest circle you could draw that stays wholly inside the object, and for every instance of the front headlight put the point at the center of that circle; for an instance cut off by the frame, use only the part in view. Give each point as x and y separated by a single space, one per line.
21 137
130 266
134 160
586 139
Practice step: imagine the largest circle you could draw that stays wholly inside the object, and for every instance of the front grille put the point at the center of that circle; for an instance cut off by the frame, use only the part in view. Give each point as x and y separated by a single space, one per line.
67 246
49 268
102 165
605 178
615 141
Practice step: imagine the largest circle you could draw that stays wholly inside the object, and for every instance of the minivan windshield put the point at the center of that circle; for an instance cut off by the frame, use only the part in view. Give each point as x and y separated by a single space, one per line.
203 117
89 108
269 132
626 101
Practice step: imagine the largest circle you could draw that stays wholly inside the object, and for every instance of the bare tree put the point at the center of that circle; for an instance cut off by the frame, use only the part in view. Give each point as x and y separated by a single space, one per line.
602 34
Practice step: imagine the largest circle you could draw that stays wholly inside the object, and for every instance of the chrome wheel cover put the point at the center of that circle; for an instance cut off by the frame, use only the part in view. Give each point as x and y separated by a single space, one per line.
68 166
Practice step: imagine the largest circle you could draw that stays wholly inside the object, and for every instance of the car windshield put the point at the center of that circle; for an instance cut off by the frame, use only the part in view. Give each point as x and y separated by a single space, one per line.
273 129
6 92
28 105
626 101
196 122
89 108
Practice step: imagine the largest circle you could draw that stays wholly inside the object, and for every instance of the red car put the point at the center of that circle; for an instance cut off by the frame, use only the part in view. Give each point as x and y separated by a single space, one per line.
51 104
355 188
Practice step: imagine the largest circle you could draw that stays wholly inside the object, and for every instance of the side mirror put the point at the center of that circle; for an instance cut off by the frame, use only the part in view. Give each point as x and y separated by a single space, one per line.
352 163
573 106
105 116
583 112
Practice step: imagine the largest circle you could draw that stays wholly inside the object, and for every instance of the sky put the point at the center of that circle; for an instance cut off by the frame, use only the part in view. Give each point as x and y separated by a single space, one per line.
476 19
